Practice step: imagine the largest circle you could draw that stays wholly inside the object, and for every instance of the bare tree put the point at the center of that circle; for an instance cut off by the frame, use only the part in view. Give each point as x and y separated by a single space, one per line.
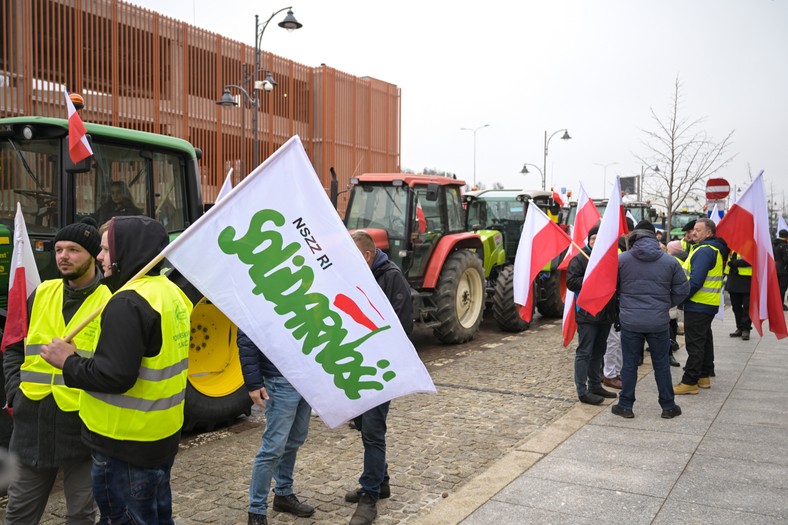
685 155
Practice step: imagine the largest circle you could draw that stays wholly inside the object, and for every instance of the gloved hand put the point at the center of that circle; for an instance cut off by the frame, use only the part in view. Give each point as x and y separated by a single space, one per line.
617 326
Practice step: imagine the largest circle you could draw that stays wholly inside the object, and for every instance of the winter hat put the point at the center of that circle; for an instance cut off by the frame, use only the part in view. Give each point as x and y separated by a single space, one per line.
645 225
674 247
690 225
592 231
83 233
783 234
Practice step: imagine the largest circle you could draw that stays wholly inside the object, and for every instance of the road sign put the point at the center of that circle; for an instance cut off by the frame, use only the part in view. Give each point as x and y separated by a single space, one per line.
717 189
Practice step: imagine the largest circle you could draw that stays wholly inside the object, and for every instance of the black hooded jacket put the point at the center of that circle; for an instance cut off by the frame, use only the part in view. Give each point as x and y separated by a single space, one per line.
130 329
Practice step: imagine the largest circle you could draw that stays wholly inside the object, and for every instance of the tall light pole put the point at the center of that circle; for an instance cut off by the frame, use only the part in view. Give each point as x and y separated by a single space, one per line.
291 24
655 169
474 148
547 143
604 177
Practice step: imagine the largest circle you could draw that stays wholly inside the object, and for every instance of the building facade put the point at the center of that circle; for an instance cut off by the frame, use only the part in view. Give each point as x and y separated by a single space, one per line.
138 69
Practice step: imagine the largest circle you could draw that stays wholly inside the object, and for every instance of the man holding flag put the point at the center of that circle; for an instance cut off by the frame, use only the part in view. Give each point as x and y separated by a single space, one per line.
704 266
47 427
592 330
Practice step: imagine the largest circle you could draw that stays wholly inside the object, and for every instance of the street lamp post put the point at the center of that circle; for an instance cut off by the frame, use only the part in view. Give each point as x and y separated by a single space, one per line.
547 143
228 100
291 24
604 177
474 130
525 171
655 169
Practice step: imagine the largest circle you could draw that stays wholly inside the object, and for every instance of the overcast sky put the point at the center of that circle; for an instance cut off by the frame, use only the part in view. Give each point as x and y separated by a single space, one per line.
526 67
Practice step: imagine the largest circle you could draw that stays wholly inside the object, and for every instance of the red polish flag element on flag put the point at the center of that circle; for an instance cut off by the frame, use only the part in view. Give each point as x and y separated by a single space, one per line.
78 147
285 270
541 241
599 282
557 198
24 279
586 218
746 230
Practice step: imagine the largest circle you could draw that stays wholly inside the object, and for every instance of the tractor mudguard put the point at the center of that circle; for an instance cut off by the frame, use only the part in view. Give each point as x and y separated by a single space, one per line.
446 245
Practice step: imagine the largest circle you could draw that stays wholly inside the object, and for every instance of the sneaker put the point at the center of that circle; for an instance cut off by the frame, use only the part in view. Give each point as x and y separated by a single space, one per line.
737 333
683 388
604 393
366 511
257 519
618 410
591 399
670 413
704 382
672 360
745 335
385 492
291 505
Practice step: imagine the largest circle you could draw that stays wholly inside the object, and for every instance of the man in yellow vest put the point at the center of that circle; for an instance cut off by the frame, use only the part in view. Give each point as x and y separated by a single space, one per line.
738 286
135 383
46 435
705 269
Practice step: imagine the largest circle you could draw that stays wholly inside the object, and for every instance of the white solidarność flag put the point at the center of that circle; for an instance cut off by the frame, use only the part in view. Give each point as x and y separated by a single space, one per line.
274 256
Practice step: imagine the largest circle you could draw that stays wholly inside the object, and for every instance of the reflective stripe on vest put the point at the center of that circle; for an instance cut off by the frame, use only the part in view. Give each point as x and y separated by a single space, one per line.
152 409
709 292
37 377
744 271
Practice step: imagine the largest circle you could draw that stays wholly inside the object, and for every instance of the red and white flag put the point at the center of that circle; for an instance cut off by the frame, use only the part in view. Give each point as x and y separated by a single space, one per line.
24 279
541 241
586 218
557 198
599 282
78 146
746 230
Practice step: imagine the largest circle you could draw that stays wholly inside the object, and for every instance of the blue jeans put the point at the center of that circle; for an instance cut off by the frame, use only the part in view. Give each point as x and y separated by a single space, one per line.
591 346
126 493
659 347
372 425
286 427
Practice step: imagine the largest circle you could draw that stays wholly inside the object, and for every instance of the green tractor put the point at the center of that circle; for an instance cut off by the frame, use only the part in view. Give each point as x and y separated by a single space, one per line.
418 221
497 216
161 176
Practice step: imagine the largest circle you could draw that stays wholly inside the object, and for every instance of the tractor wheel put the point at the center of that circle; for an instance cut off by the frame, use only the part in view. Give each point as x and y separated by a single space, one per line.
459 298
550 304
215 393
505 311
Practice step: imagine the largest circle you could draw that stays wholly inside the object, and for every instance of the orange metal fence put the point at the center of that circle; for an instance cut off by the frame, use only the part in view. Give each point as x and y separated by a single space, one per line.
140 70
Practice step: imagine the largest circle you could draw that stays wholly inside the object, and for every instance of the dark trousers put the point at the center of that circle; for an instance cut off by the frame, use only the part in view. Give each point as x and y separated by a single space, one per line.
589 356
700 347
740 304
631 348
372 425
782 278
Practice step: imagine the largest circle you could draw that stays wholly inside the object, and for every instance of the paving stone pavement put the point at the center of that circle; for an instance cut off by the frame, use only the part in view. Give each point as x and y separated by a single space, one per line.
493 393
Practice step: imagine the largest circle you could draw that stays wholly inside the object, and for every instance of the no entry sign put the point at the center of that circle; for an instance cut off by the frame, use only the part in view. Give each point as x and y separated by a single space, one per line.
717 189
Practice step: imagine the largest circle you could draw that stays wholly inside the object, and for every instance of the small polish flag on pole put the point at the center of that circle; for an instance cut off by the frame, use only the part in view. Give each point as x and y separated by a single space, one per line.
78 146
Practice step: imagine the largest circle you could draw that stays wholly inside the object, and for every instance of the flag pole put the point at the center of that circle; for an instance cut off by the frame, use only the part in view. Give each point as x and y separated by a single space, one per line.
580 249
156 260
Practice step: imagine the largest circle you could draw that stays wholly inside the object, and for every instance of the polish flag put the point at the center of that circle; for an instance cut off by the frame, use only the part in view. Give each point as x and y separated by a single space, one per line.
599 282
587 217
420 217
746 230
78 147
541 241
24 279
557 198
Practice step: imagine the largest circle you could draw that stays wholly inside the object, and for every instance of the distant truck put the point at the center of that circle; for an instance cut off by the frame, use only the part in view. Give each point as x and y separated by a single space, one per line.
160 175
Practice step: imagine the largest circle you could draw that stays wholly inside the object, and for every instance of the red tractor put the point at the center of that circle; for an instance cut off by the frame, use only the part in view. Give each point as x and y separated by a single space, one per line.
418 221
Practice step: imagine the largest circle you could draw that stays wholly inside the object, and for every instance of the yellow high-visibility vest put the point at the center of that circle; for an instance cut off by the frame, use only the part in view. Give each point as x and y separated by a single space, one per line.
709 292
745 271
37 377
152 408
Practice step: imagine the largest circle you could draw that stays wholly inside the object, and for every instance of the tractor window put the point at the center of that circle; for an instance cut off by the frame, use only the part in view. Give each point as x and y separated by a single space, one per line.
29 172
454 208
381 207
170 195
433 210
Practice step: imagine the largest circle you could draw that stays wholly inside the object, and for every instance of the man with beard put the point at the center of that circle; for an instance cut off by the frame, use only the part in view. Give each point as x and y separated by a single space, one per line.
46 434
134 384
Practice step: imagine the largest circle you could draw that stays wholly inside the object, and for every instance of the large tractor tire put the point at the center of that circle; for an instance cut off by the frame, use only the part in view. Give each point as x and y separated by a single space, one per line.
459 298
550 303
215 393
505 311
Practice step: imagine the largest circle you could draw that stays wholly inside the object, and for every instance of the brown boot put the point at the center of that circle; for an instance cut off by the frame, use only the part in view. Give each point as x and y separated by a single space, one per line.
366 511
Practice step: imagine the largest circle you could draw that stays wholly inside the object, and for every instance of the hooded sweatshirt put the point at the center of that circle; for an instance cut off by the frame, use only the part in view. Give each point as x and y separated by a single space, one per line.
130 329
650 282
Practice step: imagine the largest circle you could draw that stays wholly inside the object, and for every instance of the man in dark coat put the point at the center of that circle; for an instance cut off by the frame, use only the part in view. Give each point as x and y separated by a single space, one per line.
738 286
650 283
780 246
374 479
592 332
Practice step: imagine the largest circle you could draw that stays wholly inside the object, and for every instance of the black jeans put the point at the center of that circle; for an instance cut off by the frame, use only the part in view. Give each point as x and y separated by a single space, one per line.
740 304
700 347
